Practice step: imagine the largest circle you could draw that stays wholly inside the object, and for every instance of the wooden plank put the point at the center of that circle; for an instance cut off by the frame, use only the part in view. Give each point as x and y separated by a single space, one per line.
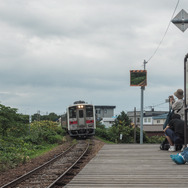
132 165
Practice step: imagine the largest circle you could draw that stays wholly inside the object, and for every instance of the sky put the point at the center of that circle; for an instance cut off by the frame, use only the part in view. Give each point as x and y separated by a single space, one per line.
55 52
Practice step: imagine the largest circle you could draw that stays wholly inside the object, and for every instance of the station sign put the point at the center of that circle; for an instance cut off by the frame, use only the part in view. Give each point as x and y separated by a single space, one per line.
138 78
181 20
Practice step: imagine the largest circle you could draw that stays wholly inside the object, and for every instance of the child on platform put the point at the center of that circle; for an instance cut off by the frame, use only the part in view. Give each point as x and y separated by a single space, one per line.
180 158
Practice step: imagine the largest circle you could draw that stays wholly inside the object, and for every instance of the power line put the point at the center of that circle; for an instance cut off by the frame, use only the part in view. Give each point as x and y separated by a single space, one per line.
164 33
154 105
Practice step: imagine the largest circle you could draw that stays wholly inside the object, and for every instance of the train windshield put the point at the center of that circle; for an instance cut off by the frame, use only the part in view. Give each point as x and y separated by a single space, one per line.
72 112
89 111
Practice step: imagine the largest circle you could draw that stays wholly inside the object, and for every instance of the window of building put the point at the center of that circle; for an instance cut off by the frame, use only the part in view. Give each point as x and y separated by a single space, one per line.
158 121
105 111
149 120
145 120
98 111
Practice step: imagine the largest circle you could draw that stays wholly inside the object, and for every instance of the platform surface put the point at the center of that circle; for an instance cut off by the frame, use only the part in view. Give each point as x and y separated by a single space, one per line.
131 165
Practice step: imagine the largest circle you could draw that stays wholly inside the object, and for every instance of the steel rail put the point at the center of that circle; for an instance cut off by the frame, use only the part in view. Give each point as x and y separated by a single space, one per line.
61 176
23 177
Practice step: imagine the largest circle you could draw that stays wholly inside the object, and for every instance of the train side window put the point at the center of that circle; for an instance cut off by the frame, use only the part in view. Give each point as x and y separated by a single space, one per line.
81 113
89 111
72 112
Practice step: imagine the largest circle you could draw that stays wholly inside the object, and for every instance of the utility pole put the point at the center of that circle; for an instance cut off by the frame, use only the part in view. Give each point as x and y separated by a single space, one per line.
38 115
30 120
134 124
141 111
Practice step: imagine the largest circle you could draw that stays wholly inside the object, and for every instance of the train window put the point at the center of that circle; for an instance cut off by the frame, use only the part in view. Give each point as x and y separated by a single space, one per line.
81 113
89 111
72 112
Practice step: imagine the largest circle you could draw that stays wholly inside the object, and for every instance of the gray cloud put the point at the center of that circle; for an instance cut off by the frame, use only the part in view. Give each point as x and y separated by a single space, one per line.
55 52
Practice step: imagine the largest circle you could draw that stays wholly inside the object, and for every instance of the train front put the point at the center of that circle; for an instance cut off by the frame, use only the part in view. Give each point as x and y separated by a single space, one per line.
81 120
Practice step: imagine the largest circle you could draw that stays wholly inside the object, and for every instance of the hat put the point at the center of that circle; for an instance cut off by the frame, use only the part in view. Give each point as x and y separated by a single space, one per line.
179 94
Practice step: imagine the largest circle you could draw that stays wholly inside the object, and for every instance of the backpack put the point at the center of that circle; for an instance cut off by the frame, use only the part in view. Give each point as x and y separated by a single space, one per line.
165 145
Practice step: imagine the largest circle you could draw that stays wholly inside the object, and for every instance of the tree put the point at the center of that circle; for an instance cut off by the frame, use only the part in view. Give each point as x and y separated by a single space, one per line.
7 118
122 119
51 117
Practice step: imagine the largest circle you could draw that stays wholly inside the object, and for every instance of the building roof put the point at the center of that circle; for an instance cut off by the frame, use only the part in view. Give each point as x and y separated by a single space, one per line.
147 113
152 128
162 116
108 119
104 106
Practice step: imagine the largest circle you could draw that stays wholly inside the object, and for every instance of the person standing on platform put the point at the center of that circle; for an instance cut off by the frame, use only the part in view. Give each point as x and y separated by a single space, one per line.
177 105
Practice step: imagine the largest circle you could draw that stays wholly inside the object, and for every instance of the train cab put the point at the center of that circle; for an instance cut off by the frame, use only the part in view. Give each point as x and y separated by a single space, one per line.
81 119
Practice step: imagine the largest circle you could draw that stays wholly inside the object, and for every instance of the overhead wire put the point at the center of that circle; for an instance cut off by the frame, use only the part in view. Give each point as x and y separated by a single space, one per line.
155 105
164 33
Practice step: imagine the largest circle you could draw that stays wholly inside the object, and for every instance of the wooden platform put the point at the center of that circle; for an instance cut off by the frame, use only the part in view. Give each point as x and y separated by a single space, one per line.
130 165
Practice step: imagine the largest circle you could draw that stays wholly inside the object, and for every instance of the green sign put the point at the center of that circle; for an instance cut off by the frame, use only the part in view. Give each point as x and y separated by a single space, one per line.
138 77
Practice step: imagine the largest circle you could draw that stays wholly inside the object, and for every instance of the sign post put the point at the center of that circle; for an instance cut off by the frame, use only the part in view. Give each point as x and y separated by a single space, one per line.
185 98
141 114
139 78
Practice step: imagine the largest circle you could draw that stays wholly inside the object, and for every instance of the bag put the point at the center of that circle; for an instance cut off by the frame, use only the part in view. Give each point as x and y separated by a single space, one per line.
168 118
165 145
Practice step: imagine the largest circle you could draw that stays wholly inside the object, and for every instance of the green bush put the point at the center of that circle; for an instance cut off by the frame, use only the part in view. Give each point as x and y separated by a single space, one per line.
52 139
102 133
45 131
24 141
156 139
61 131
13 151
113 134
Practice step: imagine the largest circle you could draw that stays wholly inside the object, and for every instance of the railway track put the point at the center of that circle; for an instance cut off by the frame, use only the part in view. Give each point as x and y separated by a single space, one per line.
52 174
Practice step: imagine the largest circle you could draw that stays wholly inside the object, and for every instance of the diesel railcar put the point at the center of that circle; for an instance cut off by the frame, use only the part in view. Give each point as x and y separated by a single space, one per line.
79 120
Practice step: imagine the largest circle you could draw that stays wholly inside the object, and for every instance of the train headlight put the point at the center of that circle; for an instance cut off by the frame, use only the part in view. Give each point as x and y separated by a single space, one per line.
80 106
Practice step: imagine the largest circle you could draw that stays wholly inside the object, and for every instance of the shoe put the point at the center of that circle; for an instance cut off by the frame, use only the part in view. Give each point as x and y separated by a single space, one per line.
179 159
174 156
172 148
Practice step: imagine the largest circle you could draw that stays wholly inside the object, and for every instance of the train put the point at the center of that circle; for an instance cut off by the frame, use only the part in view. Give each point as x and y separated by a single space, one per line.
79 119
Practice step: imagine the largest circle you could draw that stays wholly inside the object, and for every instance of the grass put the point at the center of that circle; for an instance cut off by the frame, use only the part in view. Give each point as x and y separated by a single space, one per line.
103 140
45 149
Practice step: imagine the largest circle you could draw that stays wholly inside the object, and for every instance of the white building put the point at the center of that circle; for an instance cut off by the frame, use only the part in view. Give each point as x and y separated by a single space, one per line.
104 111
158 120
149 117
108 122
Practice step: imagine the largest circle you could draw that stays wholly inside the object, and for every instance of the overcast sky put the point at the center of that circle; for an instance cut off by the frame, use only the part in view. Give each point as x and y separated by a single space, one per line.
54 52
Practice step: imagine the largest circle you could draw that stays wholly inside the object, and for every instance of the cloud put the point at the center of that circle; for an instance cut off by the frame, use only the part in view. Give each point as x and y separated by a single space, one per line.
55 52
